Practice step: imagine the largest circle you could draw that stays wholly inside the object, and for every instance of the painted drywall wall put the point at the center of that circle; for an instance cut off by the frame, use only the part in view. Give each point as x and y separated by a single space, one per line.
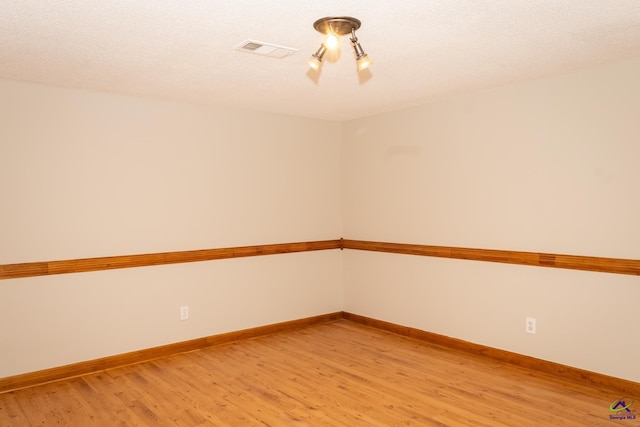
87 174
544 166
57 320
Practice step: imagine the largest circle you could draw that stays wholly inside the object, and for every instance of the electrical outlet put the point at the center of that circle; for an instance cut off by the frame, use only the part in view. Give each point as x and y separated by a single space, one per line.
184 312
531 325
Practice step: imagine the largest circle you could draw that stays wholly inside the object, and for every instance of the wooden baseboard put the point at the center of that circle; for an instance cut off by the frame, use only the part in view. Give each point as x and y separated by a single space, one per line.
626 387
91 366
569 373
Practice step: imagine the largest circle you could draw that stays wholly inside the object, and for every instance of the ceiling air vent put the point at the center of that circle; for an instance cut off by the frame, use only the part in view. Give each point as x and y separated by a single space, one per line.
265 49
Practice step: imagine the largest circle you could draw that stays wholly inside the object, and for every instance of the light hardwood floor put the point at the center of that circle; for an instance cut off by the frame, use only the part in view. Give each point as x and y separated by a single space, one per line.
335 374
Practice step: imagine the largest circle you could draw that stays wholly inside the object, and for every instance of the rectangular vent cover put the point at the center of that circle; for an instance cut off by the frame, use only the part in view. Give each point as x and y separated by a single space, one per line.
265 49
251 46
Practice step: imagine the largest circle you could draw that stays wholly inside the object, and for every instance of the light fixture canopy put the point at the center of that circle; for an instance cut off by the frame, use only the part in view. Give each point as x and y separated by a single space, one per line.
333 27
338 25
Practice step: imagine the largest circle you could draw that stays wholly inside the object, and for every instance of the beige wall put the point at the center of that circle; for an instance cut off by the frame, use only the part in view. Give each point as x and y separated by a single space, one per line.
87 174
544 166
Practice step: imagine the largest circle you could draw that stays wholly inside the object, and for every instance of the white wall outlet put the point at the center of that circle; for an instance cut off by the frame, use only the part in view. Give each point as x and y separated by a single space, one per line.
184 312
531 325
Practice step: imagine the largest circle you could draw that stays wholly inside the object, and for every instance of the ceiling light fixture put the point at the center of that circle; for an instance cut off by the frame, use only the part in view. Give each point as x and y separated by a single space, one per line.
334 27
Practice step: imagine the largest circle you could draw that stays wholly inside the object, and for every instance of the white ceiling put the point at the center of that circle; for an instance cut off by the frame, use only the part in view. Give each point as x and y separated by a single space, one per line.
422 49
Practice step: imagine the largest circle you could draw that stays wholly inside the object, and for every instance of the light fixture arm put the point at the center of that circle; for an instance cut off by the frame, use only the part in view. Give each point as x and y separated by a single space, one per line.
320 52
356 46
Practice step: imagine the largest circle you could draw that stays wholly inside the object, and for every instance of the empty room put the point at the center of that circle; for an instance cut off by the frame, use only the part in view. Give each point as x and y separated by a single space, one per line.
346 213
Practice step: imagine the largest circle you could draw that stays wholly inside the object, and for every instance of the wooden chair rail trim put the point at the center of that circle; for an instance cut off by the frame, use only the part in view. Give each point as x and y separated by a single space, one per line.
568 373
30 269
32 379
574 262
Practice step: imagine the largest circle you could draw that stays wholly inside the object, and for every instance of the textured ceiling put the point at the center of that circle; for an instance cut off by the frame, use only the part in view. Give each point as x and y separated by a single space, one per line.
422 49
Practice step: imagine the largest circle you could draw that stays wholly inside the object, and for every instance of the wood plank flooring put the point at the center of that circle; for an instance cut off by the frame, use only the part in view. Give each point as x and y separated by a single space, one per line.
335 374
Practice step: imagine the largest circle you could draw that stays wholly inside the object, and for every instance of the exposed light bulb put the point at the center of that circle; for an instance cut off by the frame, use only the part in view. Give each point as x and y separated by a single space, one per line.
332 41
364 62
314 63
